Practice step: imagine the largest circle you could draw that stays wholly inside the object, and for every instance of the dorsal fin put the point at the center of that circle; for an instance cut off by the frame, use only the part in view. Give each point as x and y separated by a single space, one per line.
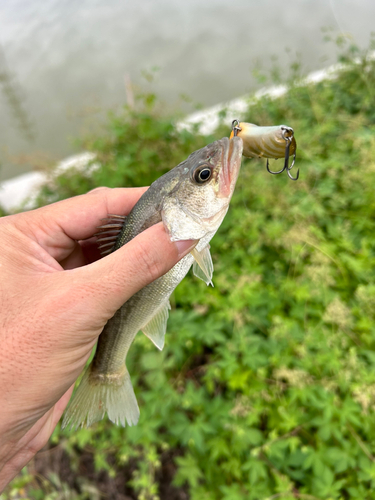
108 232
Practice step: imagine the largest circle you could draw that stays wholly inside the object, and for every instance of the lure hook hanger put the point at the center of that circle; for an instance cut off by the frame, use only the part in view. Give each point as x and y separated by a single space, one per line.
288 141
236 127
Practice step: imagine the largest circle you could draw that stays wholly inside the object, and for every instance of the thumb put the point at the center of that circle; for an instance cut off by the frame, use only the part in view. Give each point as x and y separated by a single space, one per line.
118 276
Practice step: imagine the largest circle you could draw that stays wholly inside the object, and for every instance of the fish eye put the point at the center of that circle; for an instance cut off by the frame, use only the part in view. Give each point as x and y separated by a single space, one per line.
202 174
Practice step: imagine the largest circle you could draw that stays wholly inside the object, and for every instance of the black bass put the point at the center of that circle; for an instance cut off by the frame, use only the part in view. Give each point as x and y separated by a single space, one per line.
191 200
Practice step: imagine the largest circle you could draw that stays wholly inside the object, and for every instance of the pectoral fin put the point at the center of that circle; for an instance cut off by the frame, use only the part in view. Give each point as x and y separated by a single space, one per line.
203 267
157 326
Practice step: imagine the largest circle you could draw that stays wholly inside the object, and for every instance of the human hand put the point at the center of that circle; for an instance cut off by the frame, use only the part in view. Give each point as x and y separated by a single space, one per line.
55 299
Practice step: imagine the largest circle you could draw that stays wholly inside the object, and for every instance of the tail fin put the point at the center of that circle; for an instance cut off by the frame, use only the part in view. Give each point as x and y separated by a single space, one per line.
94 398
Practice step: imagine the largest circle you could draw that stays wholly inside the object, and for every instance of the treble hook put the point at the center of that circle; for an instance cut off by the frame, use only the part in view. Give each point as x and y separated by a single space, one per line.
274 173
288 140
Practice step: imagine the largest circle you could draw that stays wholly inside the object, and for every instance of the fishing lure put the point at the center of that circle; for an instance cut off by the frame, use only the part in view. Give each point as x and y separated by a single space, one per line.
267 142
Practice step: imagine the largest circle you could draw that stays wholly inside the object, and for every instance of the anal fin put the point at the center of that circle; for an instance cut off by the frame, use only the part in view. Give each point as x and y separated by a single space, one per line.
157 326
203 267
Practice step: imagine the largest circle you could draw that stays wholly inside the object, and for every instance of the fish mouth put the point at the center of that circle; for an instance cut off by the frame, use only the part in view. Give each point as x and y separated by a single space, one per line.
231 156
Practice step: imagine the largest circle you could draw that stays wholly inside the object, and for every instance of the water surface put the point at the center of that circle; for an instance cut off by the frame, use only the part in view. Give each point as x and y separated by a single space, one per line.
63 63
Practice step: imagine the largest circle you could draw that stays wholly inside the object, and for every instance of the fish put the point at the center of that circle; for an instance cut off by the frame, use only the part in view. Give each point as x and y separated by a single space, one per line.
191 200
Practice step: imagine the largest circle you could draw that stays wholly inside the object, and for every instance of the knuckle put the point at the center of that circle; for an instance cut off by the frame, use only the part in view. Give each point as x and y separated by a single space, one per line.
98 189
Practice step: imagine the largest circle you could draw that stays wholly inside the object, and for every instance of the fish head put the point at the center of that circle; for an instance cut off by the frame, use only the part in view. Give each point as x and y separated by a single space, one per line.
202 190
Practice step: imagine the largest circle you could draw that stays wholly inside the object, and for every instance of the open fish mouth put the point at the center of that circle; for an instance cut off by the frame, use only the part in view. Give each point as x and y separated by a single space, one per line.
230 165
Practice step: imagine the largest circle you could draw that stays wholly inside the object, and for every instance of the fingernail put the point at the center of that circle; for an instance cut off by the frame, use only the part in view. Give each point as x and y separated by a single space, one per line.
184 246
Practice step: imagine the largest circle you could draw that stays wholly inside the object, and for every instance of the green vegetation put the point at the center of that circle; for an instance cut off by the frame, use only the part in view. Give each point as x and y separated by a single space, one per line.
266 386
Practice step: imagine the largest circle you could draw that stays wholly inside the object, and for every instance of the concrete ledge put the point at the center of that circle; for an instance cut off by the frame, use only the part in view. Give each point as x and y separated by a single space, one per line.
21 191
14 192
